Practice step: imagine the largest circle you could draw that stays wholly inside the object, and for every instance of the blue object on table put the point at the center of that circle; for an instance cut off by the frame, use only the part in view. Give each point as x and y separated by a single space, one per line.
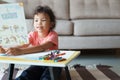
3 54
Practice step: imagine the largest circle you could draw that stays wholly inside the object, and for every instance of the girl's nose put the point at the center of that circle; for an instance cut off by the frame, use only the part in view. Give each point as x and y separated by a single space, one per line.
40 22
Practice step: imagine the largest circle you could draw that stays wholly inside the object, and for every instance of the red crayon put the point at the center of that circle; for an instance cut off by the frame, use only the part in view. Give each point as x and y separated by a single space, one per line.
63 59
60 54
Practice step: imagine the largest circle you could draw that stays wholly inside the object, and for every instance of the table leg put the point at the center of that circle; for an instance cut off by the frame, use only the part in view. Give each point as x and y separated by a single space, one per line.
67 73
10 72
53 73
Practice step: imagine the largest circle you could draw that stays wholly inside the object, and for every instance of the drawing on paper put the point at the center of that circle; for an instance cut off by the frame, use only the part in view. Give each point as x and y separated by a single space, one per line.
13 30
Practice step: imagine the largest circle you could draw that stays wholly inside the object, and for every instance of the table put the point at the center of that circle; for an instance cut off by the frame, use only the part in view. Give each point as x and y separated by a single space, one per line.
33 59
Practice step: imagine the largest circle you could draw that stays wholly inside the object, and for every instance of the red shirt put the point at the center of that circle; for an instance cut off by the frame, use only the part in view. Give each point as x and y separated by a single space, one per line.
34 40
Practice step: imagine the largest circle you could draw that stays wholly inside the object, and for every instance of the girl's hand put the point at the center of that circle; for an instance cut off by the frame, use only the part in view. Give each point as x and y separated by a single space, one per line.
2 50
14 51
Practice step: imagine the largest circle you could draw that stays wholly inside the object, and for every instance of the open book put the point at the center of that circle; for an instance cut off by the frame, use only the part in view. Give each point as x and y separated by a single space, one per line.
13 30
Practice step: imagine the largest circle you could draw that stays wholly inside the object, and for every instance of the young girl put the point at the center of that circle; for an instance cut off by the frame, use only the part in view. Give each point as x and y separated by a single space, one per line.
41 39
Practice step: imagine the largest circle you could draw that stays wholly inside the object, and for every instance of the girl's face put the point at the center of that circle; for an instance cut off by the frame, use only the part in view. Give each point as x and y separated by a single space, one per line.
42 23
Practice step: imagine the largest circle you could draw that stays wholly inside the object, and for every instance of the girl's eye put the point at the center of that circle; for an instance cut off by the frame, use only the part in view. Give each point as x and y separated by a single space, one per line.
36 20
43 20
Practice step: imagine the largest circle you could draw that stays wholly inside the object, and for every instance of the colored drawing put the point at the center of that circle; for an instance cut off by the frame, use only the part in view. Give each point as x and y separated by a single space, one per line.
13 30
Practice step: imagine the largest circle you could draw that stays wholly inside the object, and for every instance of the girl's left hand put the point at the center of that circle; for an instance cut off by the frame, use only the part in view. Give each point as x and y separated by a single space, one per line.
14 51
2 50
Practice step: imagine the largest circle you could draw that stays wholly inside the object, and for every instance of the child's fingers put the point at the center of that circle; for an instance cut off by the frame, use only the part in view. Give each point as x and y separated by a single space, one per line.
2 50
11 51
8 52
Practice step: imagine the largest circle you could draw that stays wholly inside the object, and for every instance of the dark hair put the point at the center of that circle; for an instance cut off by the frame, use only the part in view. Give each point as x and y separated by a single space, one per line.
46 10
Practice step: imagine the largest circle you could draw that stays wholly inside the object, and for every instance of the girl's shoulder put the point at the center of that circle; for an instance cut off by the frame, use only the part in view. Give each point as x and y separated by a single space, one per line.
53 33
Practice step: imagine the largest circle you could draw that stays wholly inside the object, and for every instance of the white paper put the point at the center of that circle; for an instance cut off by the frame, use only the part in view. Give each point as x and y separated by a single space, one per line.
13 30
35 56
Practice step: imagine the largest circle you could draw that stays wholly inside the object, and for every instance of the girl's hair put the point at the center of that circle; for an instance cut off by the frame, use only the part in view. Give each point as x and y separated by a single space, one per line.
47 10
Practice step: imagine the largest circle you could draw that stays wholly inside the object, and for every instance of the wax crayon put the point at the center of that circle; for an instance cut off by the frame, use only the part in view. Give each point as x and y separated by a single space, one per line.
63 59
41 58
59 60
60 54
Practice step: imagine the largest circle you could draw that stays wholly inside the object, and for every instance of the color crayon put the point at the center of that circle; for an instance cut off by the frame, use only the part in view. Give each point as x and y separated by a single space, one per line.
59 60
60 54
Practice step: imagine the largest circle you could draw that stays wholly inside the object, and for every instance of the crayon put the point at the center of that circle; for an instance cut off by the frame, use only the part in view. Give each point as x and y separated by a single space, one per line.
59 60
41 58
56 51
60 54
62 60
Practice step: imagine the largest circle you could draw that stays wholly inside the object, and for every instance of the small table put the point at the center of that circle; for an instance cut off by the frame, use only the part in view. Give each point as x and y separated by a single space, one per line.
33 59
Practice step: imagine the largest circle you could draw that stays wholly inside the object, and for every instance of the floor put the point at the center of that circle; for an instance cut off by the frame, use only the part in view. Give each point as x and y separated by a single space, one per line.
91 58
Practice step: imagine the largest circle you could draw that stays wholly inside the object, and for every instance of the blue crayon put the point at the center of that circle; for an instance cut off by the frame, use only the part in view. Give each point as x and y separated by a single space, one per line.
57 59
41 58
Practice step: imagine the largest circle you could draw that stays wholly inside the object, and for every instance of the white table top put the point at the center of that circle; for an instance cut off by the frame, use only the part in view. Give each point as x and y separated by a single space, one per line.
33 59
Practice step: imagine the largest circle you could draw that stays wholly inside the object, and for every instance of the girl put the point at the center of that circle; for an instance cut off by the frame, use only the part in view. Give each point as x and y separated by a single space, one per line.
41 39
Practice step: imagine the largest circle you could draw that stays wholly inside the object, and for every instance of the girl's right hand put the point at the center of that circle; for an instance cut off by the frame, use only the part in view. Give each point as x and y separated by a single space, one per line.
2 50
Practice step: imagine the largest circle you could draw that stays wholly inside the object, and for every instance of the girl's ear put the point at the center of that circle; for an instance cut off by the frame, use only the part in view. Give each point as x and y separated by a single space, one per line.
52 24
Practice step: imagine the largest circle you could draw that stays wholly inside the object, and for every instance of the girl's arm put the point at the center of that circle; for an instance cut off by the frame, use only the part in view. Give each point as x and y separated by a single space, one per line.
28 50
4 50
39 48
22 46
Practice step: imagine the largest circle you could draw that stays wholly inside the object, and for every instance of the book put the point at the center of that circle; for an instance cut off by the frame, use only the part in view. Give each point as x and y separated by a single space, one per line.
13 30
